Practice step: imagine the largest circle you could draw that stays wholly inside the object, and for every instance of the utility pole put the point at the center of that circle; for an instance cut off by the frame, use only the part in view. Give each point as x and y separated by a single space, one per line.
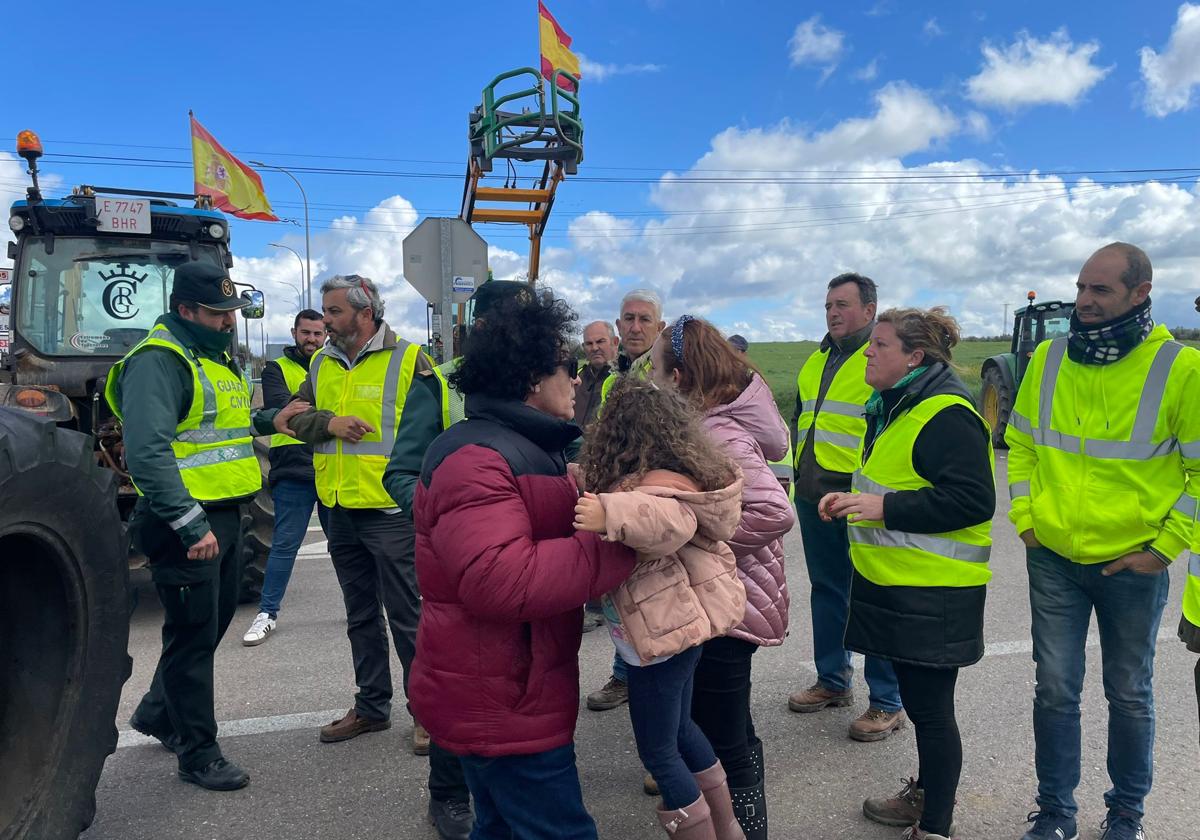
307 252
1004 323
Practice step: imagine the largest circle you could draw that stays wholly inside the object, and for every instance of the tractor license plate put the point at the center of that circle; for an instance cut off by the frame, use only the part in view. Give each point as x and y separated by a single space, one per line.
123 215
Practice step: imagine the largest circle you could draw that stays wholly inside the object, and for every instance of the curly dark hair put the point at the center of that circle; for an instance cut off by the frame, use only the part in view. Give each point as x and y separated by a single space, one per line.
642 428
522 340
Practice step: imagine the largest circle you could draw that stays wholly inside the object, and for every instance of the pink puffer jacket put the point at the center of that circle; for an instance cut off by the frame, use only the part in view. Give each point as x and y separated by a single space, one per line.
684 589
751 432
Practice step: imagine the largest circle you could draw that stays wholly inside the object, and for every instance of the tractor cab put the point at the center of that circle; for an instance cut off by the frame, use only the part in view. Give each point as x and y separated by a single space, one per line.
1035 323
92 271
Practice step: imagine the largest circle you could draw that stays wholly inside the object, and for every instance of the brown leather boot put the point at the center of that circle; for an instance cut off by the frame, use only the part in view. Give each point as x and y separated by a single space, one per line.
876 724
693 822
817 697
351 726
649 786
715 790
420 740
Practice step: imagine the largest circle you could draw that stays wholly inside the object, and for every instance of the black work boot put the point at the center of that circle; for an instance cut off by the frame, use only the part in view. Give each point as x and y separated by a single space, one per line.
451 819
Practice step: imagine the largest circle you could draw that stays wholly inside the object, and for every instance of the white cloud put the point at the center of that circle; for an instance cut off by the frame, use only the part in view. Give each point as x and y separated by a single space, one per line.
932 30
595 71
1172 75
815 43
869 72
754 257
1032 72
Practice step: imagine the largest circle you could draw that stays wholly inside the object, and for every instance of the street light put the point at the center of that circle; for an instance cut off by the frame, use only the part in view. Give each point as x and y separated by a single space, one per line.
301 298
307 250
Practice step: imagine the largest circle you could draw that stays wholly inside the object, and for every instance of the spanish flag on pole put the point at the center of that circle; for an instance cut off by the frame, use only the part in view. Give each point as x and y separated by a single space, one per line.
235 188
556 48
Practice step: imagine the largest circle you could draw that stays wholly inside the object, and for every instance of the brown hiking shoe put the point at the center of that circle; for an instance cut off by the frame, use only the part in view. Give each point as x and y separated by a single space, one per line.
902 809
876 724
817 697
420 740
351 726
612 695
649 786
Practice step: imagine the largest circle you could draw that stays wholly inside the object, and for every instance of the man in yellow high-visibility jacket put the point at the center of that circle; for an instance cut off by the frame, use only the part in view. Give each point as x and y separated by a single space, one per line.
1189 622
293 490
827 428
1104 474
369 390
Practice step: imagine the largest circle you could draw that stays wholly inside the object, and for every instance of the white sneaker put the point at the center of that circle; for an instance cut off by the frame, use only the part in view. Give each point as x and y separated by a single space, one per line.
259 630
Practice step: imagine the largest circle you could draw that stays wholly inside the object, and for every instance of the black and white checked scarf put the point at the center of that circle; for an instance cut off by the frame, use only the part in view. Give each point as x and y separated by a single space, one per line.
1105 343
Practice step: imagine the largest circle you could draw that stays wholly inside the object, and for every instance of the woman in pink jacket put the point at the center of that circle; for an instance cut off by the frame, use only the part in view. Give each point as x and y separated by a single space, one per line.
740 414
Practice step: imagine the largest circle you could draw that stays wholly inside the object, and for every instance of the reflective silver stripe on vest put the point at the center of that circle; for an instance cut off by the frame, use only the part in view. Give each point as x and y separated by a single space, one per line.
212 435
836 438
941 546
216 456
1141 445
846 409
1187 505
865 485
1190 449
781 470
190 516
1194 564
388 424
1020 422
1018 489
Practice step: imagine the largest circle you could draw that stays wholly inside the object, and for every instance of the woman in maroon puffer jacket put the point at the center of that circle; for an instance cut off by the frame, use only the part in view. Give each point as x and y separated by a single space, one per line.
740 413
504 576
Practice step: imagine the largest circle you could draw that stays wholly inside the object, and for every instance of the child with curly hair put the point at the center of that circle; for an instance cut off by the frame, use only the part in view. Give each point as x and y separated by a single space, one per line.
653 480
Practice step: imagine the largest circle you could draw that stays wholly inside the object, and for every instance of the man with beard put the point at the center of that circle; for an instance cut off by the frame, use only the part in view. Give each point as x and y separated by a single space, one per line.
369 389
1104 475
185 408
293 490
600 347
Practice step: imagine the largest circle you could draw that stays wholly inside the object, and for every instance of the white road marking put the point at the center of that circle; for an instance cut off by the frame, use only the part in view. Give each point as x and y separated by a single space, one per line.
312 720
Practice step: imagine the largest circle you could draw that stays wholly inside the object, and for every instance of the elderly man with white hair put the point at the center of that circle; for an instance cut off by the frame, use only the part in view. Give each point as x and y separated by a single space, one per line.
600 348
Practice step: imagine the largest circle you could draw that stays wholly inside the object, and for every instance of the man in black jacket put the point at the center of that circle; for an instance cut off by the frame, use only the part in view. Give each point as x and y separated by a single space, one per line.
293 489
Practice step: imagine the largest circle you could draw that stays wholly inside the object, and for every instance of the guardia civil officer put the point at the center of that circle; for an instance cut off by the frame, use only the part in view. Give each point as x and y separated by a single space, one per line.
185 406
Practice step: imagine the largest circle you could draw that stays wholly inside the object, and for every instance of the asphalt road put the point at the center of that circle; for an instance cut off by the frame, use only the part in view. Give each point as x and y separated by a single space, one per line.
271 699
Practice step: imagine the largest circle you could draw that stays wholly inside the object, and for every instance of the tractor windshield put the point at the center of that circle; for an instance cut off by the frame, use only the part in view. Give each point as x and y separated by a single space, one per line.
95 295
1057 325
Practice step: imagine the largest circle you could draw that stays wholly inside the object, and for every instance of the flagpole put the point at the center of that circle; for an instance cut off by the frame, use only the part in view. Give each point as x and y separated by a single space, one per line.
307 256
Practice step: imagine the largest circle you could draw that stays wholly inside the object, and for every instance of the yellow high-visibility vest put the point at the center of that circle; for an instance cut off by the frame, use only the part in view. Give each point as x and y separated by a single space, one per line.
835 427
374 390
1114 446
900 558
293 377
213 445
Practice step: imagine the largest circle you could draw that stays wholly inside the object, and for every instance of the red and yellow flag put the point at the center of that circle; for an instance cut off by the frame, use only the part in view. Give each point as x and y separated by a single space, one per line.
556 48
235 188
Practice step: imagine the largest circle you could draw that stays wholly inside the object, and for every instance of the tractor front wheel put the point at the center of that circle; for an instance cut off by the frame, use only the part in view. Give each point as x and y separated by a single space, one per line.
995 402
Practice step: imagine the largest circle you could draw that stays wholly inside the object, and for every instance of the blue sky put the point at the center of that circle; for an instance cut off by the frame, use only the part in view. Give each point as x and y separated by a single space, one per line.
927 101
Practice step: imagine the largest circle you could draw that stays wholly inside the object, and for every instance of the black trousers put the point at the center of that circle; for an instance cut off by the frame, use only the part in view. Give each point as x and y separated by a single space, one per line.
928 695
199 598
721 706
374 556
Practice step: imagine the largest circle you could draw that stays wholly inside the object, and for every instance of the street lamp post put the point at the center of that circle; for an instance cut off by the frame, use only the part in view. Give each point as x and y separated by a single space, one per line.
307 250
303 300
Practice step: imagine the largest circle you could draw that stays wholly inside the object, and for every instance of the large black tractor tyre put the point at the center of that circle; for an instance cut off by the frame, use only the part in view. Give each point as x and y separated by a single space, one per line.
995 403
258 529
64 627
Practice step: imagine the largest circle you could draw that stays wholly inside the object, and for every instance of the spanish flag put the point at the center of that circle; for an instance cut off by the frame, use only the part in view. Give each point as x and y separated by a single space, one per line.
235 188
556 48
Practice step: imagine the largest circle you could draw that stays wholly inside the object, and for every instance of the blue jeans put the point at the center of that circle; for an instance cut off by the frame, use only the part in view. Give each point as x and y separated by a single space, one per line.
1128 608
528 797
620 669
827 555
669 743
294 502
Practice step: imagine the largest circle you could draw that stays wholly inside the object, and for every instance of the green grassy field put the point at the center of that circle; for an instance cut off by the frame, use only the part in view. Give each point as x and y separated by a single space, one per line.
780 362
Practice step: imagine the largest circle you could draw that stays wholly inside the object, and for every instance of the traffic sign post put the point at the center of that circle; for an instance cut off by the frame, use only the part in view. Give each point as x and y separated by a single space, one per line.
446 261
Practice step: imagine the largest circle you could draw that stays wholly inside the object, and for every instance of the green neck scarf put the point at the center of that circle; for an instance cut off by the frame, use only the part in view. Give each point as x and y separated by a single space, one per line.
874 406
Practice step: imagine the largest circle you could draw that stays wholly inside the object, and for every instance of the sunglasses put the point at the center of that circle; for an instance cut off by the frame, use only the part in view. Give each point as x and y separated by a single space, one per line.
571 366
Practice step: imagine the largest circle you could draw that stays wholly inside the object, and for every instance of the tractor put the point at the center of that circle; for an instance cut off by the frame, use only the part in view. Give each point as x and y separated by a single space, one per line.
1001 375
91 273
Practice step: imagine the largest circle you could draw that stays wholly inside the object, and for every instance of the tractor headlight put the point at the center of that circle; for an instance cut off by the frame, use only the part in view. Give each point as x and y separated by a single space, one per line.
16 223
216 231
